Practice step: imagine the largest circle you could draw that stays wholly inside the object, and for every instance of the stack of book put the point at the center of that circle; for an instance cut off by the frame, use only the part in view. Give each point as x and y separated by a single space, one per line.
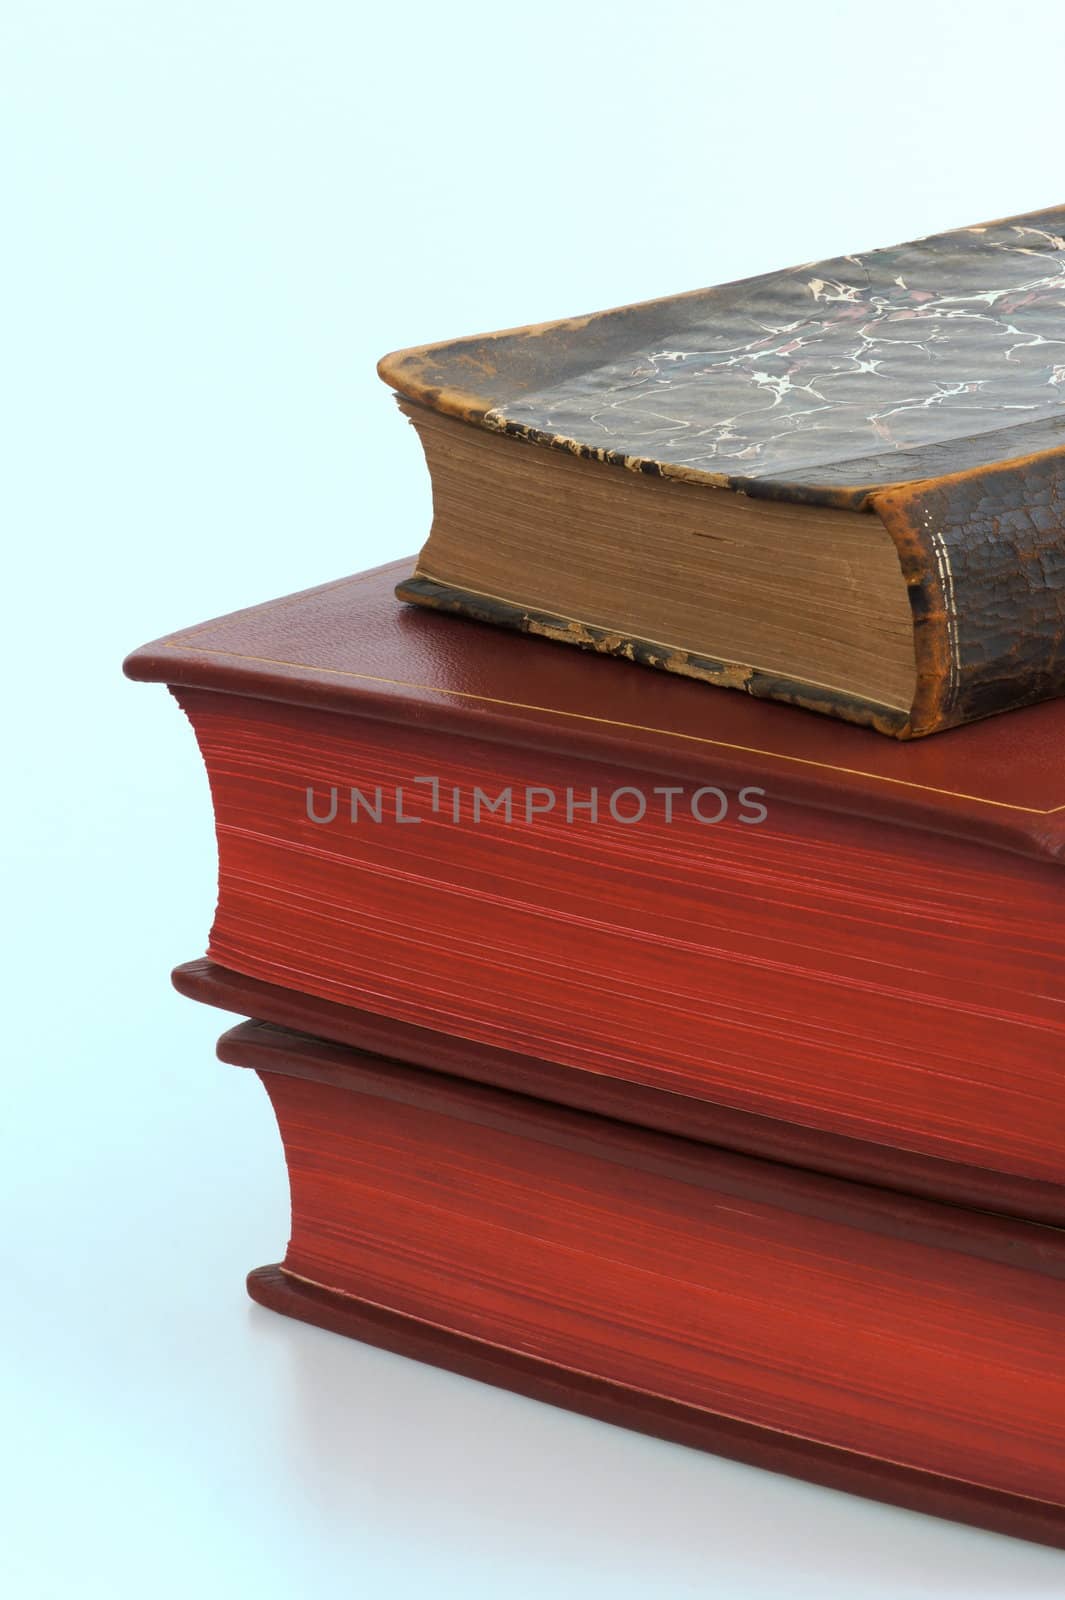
692 1058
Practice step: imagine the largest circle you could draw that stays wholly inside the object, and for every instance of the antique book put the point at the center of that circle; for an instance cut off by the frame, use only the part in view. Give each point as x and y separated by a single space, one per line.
871 1342
907 1172
842 485
822 937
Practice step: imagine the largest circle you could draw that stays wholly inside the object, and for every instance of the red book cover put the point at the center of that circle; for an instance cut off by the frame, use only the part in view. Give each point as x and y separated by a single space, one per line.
554 857
890 1346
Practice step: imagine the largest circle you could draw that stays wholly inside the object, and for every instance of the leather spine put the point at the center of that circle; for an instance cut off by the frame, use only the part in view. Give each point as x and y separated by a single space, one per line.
983 554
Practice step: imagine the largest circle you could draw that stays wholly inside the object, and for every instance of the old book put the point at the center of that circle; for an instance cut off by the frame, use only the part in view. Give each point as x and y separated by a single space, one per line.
841 485
701 899
888 1346
906 1172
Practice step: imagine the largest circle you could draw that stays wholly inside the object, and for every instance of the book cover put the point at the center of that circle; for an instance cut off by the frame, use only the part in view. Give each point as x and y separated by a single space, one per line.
876 961
866 1341
347 646
620 1098
924 384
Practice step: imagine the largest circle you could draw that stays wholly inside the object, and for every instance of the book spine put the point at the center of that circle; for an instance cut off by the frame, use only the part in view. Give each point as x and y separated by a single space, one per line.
983 554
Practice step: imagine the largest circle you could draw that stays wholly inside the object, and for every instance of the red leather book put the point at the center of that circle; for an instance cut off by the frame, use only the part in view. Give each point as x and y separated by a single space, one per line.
893 1347
623 1100
802 926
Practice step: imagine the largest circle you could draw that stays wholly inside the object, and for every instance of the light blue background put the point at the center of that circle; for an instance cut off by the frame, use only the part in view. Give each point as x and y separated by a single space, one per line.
216 217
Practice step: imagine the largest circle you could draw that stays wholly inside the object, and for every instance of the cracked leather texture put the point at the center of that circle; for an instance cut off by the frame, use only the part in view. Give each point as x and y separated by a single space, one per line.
987 555
925 381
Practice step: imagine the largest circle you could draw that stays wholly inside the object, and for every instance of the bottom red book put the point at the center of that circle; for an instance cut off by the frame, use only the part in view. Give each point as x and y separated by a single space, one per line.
867 1340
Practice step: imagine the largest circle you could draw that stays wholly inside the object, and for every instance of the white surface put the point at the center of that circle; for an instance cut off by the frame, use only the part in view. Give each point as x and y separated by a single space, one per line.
217 216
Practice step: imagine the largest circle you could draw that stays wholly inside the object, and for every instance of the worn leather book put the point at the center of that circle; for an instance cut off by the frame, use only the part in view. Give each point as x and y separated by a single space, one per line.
884 1345
818 937
841 485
